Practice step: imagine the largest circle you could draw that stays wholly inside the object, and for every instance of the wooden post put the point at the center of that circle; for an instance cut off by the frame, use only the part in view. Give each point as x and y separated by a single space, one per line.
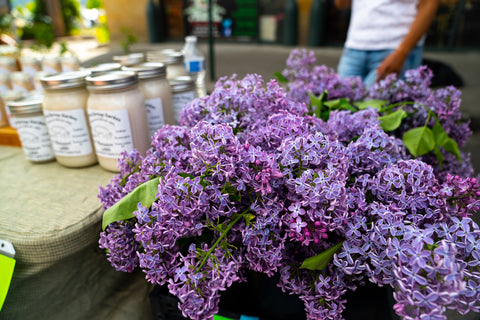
54 10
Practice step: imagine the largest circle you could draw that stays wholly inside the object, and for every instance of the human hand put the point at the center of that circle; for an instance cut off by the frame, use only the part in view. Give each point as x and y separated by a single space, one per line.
393 63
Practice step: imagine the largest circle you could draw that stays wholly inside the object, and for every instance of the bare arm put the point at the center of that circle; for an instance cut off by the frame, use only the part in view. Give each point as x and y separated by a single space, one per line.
394 62
343 4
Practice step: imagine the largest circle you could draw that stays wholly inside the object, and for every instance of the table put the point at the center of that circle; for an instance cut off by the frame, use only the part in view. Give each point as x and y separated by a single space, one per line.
52 216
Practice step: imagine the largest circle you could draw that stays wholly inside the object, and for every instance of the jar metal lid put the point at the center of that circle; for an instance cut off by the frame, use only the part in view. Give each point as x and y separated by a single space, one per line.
166 56
148 70
183 83
26 105
112 80
29 60
104 67
130 59
65 80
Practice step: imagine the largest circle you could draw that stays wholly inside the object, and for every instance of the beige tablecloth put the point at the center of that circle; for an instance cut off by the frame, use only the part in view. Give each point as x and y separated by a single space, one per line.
52 216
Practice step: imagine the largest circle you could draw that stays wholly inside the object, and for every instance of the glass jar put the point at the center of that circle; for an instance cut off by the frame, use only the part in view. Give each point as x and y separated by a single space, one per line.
30 65
51 65
104 68
157 93
116 110
3 115
65 111
70 63
6 97
173 59
32 130
5 82
22 82
183 92
8 64
37 83
130 59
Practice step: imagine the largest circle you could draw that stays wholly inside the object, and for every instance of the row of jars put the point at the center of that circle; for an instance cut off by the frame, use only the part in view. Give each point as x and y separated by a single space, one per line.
24 74
86 116
31 65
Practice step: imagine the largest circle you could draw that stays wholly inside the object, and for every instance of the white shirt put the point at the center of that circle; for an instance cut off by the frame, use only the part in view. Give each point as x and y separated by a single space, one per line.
380 24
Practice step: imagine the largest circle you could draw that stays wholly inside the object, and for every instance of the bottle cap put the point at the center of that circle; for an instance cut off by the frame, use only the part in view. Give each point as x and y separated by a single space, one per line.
148 70
191 38
65 80
25 106
112 80
104 68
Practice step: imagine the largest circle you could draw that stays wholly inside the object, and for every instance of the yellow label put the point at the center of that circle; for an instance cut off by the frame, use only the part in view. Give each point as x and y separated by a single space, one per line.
7 265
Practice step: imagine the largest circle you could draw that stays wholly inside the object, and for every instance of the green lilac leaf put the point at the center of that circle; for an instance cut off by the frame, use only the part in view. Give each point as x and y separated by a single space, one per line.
439 156
280 77
340 104
316 104
374 103
442 139
186 175
321 260
419 141
393 120
124 208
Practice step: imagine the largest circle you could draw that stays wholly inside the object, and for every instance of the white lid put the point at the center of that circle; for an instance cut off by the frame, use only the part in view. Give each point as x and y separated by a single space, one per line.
191 38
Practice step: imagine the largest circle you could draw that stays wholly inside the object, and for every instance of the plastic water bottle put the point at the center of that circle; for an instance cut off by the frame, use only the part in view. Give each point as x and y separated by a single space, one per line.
194 62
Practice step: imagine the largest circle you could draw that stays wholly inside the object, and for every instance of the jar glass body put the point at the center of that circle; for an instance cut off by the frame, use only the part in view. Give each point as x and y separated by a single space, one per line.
119 123
34 137
175 70
67 121
158 102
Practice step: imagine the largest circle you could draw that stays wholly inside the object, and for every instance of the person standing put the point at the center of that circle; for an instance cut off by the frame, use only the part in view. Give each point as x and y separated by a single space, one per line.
384 37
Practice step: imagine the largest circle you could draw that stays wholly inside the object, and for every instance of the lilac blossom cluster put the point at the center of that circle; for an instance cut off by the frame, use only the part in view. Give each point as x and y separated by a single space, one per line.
413 94
251 181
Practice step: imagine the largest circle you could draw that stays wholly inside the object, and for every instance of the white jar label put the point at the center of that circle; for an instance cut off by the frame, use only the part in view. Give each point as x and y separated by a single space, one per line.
155 116
19 88
111 132
180 99
4 88
31 71
34 137
49 70
68 132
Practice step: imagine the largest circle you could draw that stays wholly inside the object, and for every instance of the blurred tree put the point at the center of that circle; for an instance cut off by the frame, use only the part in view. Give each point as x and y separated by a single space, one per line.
70 11
94 4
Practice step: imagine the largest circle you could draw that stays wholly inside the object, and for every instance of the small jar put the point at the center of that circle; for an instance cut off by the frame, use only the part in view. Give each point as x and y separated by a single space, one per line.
5 82
173 59
116 111
37 83
32 130
22 82
6 97
130 59
70 63
8 64
157 93
65 111
30 65
183 92
104 68
51 65
3 115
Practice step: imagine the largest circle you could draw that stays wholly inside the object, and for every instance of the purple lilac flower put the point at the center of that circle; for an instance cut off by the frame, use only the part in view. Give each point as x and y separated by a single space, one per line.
251 182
